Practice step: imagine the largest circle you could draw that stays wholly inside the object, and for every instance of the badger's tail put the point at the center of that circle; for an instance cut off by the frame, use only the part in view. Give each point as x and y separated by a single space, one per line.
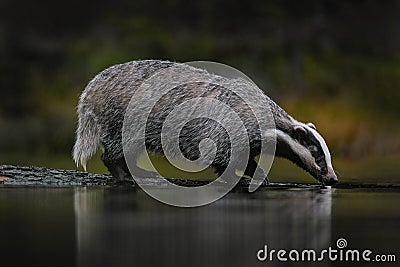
87 138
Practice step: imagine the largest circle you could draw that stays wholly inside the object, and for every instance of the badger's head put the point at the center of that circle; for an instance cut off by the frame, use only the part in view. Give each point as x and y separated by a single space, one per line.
304 146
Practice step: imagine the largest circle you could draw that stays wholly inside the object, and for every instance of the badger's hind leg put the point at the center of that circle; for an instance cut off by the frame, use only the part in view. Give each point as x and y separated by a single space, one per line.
117 167
139 172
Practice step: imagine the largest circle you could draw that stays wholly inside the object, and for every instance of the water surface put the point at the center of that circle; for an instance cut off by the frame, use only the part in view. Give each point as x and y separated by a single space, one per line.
122 226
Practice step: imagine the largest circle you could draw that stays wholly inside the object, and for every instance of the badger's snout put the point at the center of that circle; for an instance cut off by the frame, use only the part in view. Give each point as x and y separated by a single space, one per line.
331 181
330 178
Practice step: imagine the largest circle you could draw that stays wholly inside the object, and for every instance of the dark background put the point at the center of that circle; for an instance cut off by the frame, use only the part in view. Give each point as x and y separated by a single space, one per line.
335 63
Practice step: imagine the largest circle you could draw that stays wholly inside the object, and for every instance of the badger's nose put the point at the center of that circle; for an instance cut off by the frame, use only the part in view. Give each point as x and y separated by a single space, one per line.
331 180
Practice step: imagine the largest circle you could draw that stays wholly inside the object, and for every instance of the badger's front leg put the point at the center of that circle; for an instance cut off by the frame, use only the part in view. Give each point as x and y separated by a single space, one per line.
230 174
250 171
254 172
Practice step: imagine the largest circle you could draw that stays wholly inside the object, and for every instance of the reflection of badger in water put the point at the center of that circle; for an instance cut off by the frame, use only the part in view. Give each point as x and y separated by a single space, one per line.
117 228
103 104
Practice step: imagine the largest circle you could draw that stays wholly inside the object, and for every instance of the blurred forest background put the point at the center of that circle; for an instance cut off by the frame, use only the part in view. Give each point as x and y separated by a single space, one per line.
335 63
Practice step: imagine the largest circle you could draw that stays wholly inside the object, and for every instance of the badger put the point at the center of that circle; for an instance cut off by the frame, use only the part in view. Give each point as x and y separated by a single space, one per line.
104 102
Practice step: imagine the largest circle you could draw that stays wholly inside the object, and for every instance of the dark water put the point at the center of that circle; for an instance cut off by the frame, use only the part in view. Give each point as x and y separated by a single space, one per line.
121 226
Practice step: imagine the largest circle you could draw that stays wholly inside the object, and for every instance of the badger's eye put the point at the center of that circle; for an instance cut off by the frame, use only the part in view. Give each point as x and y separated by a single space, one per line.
313 148
324 170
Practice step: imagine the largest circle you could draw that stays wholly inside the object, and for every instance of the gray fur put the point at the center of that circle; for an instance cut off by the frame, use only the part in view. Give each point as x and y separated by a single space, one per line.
103 104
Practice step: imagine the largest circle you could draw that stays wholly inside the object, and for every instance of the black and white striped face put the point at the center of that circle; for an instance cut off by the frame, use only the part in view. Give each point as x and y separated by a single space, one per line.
304 146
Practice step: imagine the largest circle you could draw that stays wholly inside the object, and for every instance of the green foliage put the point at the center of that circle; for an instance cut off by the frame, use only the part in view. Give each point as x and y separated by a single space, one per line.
329 62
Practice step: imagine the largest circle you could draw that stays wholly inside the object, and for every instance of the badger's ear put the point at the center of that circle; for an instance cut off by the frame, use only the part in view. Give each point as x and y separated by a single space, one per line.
311 125
299 129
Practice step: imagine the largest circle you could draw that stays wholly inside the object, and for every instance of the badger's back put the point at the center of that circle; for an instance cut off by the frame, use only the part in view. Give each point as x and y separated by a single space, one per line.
103 104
